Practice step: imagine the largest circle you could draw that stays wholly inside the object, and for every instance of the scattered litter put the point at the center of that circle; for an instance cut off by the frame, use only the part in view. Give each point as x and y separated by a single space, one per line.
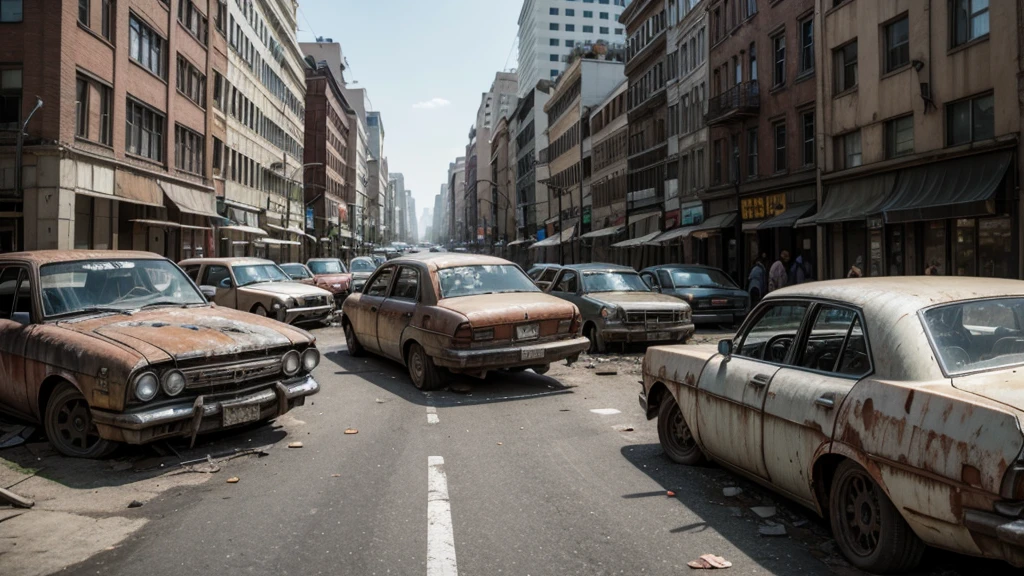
379 401
606 372
15 435
627 428
764 511
233 480
799 523
499 443
591 366
335 475
772 530
563 409
605 411
15 500
669 493
709 562
135 504
732 491
351 431
295 445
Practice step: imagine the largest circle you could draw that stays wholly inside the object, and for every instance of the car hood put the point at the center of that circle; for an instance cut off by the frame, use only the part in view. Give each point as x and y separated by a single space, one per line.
1001 386
490 309
361 275
286 289
160 334
708 292
333 278
638 300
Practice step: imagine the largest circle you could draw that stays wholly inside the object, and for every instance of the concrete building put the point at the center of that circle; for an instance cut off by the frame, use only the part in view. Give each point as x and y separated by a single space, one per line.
502 214
377 176
360 145
921 107
530 125
440 220
550 29
397 190
456 200
609 133
497 102
412 233
125 152
265 104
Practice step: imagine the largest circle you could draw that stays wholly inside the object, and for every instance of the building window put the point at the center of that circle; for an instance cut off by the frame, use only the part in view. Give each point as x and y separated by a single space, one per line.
970 120
144 131
553 26
897 44
807 46
553 42
10 11
553 11
554 72
107 16
807 121
780 145
106 115
848 151
188 150
82 108
588 14
753 62
619 32
846 67
588 29
899 137
145 46
604 15
193 20
570 12
970 20
570 27
604 30
221 20
749 8
779 60
83 12
752 153
734 158
719 151
83 222
553 57
191 82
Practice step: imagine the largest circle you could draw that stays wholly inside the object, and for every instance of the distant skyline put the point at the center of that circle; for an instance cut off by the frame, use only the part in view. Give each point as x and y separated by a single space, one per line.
425 66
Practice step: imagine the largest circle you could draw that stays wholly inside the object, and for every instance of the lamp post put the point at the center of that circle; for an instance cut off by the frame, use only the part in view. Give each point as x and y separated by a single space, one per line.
21 145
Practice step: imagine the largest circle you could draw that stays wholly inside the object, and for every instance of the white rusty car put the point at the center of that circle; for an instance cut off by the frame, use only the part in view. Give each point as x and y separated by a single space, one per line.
891 406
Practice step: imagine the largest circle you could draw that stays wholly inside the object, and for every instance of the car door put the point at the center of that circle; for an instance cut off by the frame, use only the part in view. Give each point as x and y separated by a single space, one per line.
566 286
220 278
803 399
15 330
365 321
651 280
732 389
397 311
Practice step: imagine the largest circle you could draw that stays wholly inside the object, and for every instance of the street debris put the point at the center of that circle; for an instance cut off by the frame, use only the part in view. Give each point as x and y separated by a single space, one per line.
351 431
295 444
136 504
772 529
799 523
670 493
15 500
605 411
709 562
14 435
379 401
233 480
606 372
763 511
732 491
499 443
591 366
335 475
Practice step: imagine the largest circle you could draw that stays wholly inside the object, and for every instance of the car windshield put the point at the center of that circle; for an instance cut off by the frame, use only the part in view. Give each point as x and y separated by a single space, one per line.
113 285
613 282
257 273
483 279
295 270
977 335
362 265
327 267
701 278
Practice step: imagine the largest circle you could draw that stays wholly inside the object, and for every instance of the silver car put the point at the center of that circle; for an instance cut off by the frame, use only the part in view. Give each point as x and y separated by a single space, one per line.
617 306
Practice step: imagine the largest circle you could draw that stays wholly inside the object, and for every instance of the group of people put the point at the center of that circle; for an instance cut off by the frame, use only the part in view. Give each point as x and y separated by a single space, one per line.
762 280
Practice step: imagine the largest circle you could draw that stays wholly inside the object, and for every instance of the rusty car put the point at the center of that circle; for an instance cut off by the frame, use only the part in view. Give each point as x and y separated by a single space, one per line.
260 287
617 306
361 267
298 272
711 294
462 313
109 347
890 406
331 275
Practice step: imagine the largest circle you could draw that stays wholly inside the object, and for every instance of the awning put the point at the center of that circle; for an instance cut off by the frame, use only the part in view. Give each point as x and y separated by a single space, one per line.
714 224
283 229
751 226
191 200
634 218
518 242
634 242
276 242
557 239
156 223
310 236
788 218
137 189
669 235
853 200
246 229
610 231
960 188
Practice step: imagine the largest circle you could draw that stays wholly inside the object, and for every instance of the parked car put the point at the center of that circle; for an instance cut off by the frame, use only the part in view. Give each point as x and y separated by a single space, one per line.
891 406
713 296
298 272
361 268
617 306
466 313
108 347
543 274
259 286
331 275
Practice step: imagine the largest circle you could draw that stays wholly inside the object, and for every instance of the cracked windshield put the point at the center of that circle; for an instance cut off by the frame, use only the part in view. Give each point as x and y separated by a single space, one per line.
524 287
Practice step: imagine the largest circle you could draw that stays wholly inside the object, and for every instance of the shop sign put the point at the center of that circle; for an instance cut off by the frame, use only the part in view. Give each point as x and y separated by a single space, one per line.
761 207
671 219
343 212
693 215
875 222
541 234
309 218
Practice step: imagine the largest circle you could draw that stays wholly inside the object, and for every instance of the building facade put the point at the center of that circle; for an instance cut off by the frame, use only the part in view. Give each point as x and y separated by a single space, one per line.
499 101
456 199
530 125
377 177
609 135
502 186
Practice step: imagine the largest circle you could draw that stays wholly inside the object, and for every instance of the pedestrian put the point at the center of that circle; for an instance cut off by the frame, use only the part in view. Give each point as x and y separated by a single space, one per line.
757 280
932 269
778 276
800 271
857 270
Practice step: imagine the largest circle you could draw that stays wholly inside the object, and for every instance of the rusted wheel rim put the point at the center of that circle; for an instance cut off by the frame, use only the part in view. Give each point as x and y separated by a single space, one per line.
74 426
861 513
679 433
416 366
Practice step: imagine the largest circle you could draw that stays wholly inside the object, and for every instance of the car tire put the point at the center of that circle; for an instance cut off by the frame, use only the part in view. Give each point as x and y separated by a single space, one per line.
674 434
542 369
69 427
597 344
259 310
352 343
868 528
424 373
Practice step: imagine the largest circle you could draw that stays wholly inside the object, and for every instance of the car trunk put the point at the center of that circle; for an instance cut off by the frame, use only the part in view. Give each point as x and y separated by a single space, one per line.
1004 386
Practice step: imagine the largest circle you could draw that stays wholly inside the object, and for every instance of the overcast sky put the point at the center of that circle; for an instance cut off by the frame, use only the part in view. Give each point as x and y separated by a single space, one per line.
425 65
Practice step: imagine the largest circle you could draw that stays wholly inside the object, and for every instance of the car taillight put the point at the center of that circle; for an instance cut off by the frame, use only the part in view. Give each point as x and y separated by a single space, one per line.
463 336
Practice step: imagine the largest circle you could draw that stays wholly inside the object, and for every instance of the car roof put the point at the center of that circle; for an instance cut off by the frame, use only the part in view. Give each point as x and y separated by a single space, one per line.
599 266
911 292
324 260
224 261
292 264
440 260
40 257
683 267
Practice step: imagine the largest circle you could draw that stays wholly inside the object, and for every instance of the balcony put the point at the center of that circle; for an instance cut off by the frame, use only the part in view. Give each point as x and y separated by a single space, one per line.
740 101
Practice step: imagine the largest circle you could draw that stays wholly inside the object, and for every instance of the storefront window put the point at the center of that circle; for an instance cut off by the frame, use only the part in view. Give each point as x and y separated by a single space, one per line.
965 243
836 247
995 248
910 251
935 248
855 240
876 252
896 250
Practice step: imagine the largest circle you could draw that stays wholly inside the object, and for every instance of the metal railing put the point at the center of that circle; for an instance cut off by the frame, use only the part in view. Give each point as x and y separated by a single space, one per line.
742 99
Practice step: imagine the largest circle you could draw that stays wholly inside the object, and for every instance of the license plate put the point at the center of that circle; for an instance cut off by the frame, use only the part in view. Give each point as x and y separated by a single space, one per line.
529 354
654 336
720 302
240 414
527 331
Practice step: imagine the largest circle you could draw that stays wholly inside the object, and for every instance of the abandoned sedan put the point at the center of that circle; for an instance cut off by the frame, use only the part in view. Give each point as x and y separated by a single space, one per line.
617 306
466 313
330 274
889 405
108 347
361 267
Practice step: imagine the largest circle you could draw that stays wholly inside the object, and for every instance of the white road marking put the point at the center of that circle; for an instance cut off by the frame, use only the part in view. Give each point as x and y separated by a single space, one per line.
432 415
605 411
440 536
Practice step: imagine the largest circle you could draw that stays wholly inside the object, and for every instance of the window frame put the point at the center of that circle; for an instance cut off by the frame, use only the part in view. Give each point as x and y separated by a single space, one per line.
955 39
558 279
82 107
888 67
804 68
776 168
891 133
778 64
394 285
757 314
840 64
84 12
21 12
969 102
808 325
804 140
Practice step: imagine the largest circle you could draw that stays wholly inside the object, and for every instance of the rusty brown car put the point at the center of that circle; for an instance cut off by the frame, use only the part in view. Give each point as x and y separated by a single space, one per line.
891 406
331 275
461 312
108 347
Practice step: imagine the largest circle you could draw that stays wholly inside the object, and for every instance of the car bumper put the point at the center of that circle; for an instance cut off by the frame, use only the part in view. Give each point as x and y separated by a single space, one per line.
313 313
513 356
718 316
640 333
997 535
204 414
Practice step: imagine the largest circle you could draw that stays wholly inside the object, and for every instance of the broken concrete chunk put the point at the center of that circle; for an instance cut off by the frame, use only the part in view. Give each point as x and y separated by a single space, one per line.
295 445
351 431
772 530
732 491
135 504
764 511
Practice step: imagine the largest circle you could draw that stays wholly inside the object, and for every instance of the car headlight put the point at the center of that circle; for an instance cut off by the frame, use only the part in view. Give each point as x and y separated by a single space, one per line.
146 386
174 383
607 312
290 363
310 359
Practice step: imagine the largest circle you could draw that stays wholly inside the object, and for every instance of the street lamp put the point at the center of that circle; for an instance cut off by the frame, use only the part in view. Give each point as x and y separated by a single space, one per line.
21 144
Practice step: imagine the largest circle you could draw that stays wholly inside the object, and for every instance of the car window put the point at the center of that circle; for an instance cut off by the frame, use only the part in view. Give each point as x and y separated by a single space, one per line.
193 273
215 275
855 360
408 285
24 301
8 289
567 282
771 335
664 279
977 334
548 274
535 273
379 286
825 342
650 279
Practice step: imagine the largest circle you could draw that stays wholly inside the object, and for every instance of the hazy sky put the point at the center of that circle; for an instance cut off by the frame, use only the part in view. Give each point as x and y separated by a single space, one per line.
425 65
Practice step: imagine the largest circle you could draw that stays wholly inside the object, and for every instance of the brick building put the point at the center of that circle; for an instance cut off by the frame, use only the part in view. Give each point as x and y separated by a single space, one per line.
609 134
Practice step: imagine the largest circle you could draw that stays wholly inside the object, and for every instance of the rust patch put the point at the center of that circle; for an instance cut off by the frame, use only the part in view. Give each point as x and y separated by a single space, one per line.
690 379
867 414
909 402
971 475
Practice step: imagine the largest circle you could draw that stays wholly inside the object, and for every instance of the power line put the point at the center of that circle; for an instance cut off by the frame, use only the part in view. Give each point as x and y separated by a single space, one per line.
515 40
307 22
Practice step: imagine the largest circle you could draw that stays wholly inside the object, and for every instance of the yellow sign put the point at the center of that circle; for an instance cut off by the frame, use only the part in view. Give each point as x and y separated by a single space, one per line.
761 207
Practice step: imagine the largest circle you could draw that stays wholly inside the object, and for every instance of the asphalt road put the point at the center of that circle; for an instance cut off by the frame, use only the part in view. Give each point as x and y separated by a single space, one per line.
514 475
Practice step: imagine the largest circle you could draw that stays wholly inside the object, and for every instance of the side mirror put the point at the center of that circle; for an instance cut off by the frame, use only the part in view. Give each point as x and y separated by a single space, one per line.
23 318
225 283
209 291
725 347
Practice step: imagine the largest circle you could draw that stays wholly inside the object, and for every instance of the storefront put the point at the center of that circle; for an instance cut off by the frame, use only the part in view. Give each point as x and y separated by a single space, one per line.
242 236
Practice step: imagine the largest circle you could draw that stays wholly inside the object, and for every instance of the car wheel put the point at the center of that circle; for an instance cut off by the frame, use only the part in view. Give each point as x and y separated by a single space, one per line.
354 347
676 438
69 425
543 369
867 527
259 310
597 345
424 373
